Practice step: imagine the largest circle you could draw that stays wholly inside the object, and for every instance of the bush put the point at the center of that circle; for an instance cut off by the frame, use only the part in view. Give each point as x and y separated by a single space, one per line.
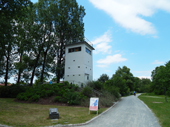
72 98
110 86
107 99
87 91
34 98
85 102
11 91
95 85
25 96
57 99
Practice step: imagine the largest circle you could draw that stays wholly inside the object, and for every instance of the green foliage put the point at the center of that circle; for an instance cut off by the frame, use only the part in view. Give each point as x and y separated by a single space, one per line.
11 11
103 78
11 91
161 80
95 85
87 91
41 32
64 93
107 99
112 88
72 98
38 81
57 99
125 73
143 85
34 98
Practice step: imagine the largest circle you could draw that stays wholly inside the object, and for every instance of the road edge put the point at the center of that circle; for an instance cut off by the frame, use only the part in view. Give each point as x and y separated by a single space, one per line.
80 124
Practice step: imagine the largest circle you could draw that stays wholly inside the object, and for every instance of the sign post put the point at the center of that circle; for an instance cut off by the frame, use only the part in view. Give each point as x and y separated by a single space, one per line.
93 104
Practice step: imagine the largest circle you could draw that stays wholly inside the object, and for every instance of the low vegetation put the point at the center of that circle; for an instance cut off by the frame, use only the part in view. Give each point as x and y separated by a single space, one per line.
68 94
23 114
159 106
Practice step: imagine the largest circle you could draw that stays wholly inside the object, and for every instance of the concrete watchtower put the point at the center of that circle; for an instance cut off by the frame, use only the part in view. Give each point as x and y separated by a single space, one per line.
78 63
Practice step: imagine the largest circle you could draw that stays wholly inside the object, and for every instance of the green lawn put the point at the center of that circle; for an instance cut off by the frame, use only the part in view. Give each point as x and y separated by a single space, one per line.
21 114
158 105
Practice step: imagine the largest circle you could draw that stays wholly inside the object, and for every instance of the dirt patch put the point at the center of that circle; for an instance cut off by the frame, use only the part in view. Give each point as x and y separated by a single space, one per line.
157 102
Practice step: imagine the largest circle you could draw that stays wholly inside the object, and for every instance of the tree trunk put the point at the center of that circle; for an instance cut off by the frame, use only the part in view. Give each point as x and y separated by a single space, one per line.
19 73
43 67
6 73
33 72
59 62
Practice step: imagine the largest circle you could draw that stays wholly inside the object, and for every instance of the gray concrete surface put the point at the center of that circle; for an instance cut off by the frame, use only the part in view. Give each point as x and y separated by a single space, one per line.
129 112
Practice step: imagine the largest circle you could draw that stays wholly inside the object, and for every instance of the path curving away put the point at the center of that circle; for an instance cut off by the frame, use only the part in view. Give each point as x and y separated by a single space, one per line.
129 112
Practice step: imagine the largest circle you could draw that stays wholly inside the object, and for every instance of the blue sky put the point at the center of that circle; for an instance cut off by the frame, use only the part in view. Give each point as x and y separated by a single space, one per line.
132 33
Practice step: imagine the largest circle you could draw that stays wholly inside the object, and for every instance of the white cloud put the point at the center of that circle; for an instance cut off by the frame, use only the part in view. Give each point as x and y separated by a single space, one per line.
141 77
128 12
142 74
103 47
157 62
102 43
110 59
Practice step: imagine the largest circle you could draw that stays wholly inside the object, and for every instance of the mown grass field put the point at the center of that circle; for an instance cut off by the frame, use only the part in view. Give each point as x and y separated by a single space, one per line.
26 115
159 106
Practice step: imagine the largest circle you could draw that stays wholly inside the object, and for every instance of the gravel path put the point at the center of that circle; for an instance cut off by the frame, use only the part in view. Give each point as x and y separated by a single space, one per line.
129 112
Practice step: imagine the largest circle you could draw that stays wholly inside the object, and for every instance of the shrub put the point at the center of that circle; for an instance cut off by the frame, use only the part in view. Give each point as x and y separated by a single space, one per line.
72 98
87 91
86 102
11 91
107 99
22 97
34 98
57 98
110 86
25 96
95 85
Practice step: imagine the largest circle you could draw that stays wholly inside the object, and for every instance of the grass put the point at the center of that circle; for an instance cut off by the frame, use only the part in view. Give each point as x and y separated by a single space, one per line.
159 106
26 115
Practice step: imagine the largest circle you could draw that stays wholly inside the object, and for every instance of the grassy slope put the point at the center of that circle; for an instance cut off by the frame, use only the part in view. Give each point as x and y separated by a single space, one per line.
19 114
160 108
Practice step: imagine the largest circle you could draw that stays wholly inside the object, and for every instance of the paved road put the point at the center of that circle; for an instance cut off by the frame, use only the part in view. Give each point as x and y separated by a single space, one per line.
129 112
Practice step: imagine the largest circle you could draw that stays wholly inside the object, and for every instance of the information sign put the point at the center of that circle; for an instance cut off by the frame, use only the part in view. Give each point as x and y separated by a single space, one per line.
94 104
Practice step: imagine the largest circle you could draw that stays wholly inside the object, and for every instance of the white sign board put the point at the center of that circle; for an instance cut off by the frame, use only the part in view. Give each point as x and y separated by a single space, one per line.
93 104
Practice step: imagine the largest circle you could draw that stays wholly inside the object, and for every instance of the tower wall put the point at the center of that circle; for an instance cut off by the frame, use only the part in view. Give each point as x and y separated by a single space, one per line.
78 63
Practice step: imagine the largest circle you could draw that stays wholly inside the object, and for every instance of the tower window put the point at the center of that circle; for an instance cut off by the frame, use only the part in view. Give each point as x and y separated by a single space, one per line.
76 49
88 51
68 67
78 66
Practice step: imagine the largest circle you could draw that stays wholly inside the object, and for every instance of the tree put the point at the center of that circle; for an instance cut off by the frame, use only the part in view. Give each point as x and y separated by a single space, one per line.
69 28
33 37
121 84
125 73
11 11
160 79
103 78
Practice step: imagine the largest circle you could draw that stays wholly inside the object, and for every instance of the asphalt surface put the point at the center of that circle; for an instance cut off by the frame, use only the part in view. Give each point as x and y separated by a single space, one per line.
129 112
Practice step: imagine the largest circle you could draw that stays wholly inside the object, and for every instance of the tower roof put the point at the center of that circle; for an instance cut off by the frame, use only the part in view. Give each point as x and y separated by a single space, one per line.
83 42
